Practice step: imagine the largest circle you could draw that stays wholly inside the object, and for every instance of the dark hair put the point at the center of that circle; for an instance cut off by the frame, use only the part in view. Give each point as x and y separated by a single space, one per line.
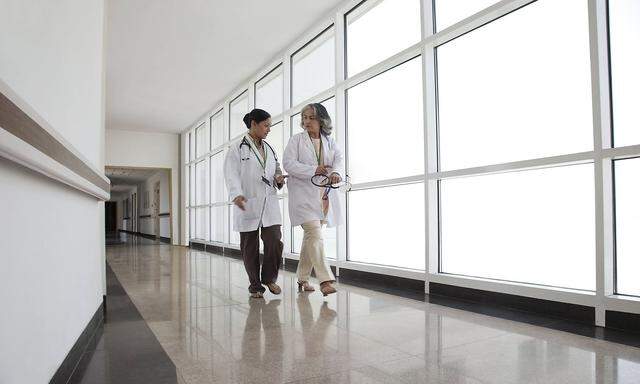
257 115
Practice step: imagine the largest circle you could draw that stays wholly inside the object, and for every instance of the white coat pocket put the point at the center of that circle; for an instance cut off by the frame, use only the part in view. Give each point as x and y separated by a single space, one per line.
252 208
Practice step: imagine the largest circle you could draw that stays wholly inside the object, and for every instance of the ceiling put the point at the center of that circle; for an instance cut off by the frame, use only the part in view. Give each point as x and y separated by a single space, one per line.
123 179
168 61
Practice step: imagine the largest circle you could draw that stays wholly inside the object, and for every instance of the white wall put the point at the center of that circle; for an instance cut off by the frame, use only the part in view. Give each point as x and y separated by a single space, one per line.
148 150
147 224
52 236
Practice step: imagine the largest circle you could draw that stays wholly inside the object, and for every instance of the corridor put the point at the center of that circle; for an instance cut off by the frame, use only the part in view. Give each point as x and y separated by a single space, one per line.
197 306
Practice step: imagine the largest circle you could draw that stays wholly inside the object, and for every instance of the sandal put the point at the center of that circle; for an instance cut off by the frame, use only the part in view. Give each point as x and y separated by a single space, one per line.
326 288
256 295
304 286
274 288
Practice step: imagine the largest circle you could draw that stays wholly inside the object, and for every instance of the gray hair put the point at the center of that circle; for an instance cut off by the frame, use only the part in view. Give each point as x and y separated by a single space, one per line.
326 126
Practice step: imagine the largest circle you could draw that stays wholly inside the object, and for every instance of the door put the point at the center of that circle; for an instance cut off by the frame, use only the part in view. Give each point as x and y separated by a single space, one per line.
156 209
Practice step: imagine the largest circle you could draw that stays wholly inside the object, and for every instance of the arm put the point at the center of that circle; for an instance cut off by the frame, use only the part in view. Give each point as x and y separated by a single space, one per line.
232 173
291 163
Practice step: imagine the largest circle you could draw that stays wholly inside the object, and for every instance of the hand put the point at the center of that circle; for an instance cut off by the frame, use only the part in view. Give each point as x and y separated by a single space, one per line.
334 178
239 201
322 170
279 179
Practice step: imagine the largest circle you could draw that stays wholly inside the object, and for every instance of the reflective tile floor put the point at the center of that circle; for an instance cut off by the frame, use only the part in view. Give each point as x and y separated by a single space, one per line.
197 306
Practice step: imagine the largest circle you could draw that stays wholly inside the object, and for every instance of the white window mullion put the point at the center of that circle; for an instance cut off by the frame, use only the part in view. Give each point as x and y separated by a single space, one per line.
339 121
598 38
431 144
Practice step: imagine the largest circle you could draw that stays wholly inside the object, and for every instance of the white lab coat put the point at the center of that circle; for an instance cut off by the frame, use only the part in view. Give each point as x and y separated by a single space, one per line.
243 175
300 162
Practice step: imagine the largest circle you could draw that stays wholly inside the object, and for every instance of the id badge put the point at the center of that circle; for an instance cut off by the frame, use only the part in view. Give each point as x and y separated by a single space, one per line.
266 181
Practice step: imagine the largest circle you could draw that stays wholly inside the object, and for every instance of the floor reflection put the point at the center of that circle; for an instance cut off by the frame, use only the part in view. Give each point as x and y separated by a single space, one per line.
198 307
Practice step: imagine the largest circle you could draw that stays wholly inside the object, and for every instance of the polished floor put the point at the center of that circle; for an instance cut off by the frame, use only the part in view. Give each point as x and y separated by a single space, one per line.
197 306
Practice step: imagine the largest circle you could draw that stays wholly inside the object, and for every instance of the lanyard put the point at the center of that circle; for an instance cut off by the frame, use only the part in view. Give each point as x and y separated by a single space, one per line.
318 153
255 151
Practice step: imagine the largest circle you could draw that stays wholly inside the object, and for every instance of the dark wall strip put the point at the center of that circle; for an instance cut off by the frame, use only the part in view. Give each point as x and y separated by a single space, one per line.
68 366
19 124
623 321
164 214
580 313
144 216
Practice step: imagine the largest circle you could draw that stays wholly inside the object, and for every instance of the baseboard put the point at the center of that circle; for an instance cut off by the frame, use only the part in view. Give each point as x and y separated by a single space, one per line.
68 366
623 321
400 286
579 313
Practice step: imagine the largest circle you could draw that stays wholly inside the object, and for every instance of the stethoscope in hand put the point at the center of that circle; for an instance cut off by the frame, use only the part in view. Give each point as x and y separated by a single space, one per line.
324 181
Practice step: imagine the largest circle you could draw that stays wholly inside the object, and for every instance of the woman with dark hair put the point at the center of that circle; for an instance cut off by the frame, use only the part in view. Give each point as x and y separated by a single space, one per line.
253 176
307 154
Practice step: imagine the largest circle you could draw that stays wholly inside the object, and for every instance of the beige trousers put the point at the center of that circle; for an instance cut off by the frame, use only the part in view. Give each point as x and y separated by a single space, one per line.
312 254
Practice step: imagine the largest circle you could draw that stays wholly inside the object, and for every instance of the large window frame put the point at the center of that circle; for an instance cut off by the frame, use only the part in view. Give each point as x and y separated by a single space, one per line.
601 156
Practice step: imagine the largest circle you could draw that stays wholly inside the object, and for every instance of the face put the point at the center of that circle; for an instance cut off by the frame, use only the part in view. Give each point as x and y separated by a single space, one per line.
310 121
261 129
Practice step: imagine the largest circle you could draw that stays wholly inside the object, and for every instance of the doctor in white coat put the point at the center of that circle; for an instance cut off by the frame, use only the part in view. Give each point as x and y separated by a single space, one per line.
309 153
253 176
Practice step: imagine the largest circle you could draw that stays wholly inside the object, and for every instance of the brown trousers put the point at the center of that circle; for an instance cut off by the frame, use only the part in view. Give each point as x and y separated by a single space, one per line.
272 260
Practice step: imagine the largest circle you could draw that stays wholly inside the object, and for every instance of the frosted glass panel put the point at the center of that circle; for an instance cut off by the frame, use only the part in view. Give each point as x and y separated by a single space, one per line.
368 43
202 140
313 68
202 223
528 92
386 226
201 183
218 186
186 143
533 227
624 30
192 183
270 92
239 108
449 12
385 118
628 226
217 223
217 130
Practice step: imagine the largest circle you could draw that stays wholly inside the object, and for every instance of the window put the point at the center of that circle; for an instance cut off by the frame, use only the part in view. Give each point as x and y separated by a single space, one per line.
449 12
313 67
192 184
218 187
202 223
624 31
535 226
385 117
192 146
202 140
185 140
386 226
187 186
527 94
270 92
201 183
627 225
217 223
217 130
369 39
239 107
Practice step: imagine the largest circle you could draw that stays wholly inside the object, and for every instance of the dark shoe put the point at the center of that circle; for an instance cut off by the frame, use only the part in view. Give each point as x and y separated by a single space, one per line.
274 288
256 295
304 286
326 288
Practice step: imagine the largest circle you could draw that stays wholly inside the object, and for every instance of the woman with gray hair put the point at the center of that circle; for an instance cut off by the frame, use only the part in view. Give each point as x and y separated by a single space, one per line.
309 153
